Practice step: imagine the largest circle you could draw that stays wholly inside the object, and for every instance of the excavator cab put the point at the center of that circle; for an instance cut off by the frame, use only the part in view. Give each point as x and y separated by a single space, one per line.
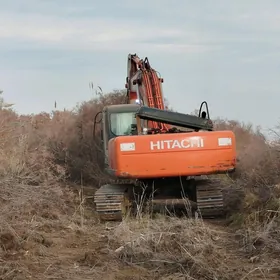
117 120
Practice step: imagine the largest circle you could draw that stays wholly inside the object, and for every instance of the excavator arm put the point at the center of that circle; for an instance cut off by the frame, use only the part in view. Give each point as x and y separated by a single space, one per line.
144 87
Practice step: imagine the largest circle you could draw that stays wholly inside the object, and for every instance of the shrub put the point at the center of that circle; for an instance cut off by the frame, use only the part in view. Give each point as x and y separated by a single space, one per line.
75 144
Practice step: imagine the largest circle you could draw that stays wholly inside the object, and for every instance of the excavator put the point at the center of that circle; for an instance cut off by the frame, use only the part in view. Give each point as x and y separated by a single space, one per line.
155 156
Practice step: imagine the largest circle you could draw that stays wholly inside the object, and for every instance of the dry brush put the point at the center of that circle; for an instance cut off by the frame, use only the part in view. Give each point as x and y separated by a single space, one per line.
42 154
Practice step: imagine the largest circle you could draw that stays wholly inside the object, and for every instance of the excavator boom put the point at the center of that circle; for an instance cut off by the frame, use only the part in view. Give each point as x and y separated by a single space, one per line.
144 87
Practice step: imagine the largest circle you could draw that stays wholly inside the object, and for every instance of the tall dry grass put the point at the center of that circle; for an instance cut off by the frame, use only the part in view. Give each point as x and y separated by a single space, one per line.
41 153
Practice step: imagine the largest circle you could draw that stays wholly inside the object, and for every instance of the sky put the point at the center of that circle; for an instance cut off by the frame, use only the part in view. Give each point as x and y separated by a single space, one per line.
224 52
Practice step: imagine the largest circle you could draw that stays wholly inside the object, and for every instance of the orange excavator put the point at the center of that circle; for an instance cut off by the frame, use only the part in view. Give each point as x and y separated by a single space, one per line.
165 158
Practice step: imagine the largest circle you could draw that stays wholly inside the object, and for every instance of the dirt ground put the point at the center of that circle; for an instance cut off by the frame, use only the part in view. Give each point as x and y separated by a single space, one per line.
51 233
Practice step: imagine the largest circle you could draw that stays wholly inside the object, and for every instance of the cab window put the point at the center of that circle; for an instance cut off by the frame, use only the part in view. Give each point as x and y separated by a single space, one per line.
120 123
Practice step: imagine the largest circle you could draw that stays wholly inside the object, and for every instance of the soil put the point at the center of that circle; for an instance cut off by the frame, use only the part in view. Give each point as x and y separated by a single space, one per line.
68 242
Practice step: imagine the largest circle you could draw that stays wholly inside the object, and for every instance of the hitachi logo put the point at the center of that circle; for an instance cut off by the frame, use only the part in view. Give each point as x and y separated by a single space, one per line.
195 142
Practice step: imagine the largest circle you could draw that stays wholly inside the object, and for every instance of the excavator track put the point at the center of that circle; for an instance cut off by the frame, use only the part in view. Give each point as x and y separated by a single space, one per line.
209 198
112 202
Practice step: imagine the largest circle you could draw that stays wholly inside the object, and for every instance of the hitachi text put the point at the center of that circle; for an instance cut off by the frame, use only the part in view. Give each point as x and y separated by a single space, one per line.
177 144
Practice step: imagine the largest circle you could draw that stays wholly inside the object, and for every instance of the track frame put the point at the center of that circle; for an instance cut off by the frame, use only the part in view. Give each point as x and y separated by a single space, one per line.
201 194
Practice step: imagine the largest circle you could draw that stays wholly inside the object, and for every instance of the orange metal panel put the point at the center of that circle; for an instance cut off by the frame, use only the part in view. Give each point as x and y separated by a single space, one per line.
178 154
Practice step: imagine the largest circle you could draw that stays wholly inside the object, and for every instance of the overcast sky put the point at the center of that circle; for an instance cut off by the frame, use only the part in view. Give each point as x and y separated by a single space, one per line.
225 52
